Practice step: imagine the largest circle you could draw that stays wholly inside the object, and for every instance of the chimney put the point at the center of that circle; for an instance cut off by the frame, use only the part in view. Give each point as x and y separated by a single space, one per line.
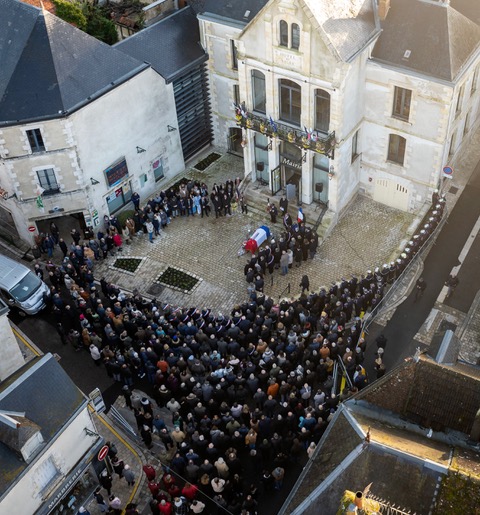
383 8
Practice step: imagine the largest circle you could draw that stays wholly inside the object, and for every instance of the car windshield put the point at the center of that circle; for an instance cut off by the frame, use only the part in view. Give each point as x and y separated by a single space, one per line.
24 289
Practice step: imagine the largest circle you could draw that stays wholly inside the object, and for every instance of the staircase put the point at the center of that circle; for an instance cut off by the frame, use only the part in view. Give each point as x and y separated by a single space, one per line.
257 196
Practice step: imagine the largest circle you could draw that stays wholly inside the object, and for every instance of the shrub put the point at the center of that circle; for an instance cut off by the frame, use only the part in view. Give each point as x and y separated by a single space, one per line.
127 264
71 13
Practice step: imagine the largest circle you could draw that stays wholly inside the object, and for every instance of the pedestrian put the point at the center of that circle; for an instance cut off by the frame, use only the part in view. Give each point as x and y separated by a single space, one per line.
284 262
128 474
305 283
136 200
452 283
197 506
100 500
118 466
420 287
115 504
379 367
146 435
106 481
243 205
150 228
83 511
278 474
149 472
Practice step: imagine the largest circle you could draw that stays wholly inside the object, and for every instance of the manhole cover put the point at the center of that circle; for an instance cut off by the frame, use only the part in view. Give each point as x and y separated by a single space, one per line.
155 290
453 190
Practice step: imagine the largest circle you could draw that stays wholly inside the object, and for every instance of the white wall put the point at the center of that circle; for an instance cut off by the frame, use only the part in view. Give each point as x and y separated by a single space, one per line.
12 358
68 449
134 114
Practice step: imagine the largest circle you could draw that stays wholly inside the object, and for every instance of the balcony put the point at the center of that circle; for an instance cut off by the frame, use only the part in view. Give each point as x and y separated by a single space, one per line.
314 141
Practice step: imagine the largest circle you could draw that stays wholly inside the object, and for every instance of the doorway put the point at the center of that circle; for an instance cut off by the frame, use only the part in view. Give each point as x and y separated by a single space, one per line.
235 141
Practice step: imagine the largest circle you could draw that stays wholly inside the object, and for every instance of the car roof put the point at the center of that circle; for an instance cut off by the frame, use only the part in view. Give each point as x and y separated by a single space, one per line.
11 272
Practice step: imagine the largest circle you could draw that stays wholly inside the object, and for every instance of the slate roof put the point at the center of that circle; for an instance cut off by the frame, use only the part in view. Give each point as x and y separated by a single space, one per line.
437 396
348 24
440 38
414 484
171 46
50 67
49 399
232 9
336 444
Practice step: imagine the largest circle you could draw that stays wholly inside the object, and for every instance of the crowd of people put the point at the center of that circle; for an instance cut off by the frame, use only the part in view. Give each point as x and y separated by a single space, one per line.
250 392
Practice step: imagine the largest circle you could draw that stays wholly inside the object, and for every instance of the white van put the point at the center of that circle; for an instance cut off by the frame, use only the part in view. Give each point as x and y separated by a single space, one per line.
21 288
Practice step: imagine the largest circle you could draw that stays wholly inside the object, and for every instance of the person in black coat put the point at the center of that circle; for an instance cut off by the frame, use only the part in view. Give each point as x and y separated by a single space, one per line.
305 283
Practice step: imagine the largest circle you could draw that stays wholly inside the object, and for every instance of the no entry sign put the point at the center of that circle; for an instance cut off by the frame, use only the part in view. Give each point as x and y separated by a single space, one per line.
102 454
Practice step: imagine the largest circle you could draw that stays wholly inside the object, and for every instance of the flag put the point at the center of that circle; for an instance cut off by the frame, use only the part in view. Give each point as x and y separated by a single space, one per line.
273 124
40 204
300 216
309 134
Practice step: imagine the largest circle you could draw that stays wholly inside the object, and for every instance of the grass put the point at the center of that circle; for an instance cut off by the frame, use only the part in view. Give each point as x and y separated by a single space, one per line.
176 278
127 264
205 163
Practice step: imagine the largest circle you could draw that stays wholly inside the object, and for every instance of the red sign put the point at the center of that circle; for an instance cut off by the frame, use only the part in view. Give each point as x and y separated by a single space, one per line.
32 228
103 453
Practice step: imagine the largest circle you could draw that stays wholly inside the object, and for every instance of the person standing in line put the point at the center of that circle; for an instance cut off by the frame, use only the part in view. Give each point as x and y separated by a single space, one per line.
136 200
100 500
150 228
128 474
284 262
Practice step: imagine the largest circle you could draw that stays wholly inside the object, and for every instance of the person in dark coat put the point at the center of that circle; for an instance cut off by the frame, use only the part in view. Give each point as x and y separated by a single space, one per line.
305 283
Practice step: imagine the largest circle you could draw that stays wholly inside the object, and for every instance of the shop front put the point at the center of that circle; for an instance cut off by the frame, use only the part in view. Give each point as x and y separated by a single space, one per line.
77 486
120 188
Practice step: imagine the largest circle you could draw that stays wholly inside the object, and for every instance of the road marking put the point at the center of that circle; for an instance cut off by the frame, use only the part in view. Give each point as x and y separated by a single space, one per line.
463 254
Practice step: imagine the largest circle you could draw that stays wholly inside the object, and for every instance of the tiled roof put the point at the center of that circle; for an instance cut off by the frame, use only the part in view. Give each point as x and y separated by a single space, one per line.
440 38
49 398
338 442
177 36
430 394
50 67
399 480
348 24
232 9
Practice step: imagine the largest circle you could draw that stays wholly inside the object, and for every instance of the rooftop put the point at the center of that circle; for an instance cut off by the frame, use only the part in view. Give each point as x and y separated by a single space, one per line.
177 35
49 398
440 39
49 67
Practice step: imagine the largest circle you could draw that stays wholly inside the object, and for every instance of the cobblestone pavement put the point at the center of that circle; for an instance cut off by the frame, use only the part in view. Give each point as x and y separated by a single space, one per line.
368 235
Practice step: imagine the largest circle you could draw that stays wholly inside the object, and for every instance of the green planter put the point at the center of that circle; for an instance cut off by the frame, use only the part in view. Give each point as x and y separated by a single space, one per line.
178 279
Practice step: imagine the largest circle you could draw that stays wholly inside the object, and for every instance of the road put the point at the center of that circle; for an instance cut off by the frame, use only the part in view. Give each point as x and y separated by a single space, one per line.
410 316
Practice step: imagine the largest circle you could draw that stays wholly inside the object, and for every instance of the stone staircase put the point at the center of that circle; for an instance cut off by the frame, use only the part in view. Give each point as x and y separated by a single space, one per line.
257 196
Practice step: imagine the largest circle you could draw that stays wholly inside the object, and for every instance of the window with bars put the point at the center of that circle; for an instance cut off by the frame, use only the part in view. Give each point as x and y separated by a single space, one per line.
401 103
396 149
322 110
48 181
258 89
36 140
290 101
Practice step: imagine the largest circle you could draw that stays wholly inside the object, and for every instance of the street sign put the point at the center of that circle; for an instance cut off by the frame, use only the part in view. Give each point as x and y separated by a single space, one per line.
448 171
102 454
32 228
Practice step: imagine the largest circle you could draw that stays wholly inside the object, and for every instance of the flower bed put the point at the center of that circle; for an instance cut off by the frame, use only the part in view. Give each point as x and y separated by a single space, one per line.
127 264
205 163
179 280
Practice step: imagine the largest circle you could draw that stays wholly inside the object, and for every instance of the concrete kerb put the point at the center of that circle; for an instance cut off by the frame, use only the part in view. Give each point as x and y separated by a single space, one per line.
471 313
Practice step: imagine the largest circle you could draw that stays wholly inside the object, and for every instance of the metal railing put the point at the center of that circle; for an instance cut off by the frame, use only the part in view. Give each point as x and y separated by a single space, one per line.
370 315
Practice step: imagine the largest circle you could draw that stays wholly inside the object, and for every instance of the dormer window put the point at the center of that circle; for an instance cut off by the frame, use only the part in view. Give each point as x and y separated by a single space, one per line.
289 38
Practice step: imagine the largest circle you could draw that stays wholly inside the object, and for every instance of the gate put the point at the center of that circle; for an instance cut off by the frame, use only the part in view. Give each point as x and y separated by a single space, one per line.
391 193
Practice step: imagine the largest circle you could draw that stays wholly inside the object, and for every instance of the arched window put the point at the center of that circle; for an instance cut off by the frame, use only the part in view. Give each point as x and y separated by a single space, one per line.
258 90
396 149
295 36
283 33
290 101
322 110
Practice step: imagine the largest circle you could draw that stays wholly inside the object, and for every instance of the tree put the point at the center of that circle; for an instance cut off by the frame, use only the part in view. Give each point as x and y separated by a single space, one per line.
71 13
99 25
